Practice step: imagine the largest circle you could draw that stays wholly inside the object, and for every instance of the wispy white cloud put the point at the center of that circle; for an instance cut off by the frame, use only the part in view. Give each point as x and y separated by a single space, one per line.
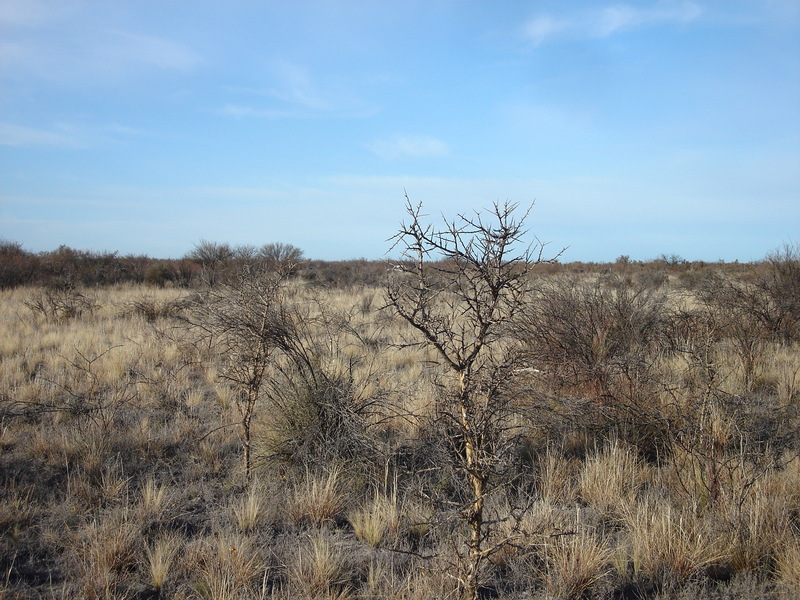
70 136
618 18
543 27
603 22
411 146
159 52
29 12
66 42
17 136
295 92
295 86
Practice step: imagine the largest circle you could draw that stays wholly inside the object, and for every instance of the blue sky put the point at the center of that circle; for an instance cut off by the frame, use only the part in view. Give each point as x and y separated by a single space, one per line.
638 128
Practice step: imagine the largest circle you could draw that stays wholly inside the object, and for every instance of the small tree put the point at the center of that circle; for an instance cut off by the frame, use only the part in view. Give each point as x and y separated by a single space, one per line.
276 355
281 257
246 318
460 287
213 257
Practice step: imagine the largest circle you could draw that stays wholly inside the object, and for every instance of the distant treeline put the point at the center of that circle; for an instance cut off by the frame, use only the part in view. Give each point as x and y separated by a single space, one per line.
67 267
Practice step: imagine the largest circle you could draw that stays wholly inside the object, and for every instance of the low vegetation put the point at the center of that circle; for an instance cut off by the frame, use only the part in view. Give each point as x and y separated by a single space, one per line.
250 424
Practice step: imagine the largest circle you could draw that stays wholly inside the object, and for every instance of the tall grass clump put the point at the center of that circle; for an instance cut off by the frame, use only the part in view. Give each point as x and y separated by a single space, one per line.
317 499
318 570
161 556
575 563
377 521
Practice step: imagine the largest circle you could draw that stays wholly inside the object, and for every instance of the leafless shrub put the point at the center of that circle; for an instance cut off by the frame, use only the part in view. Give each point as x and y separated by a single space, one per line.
780 286
595 340
60 304
726 439
597 349
280 257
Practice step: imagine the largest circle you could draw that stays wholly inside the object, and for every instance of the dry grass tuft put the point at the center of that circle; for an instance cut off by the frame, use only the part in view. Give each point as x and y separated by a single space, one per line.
671 545
249 512
317 500
318 570
229 567
107 553
787 566
576 563
556 479
377 521
160 558
610 480
153 500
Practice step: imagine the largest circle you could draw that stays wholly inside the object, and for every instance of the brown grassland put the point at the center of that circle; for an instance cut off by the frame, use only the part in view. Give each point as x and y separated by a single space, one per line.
648 446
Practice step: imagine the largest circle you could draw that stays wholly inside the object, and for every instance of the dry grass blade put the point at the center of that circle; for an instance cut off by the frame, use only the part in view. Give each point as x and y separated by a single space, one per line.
787 566
249 511
610 479
672 545
230 567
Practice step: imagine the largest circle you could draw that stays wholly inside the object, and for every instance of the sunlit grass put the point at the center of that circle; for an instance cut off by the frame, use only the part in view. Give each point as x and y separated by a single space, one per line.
122 471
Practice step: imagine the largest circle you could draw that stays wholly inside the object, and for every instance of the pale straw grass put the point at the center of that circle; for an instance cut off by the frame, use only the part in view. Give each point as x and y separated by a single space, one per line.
318 570
556 478
249 512
787 566
377 521
161 556
610 480
576 562
317 499
153 500
669 544
229 567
